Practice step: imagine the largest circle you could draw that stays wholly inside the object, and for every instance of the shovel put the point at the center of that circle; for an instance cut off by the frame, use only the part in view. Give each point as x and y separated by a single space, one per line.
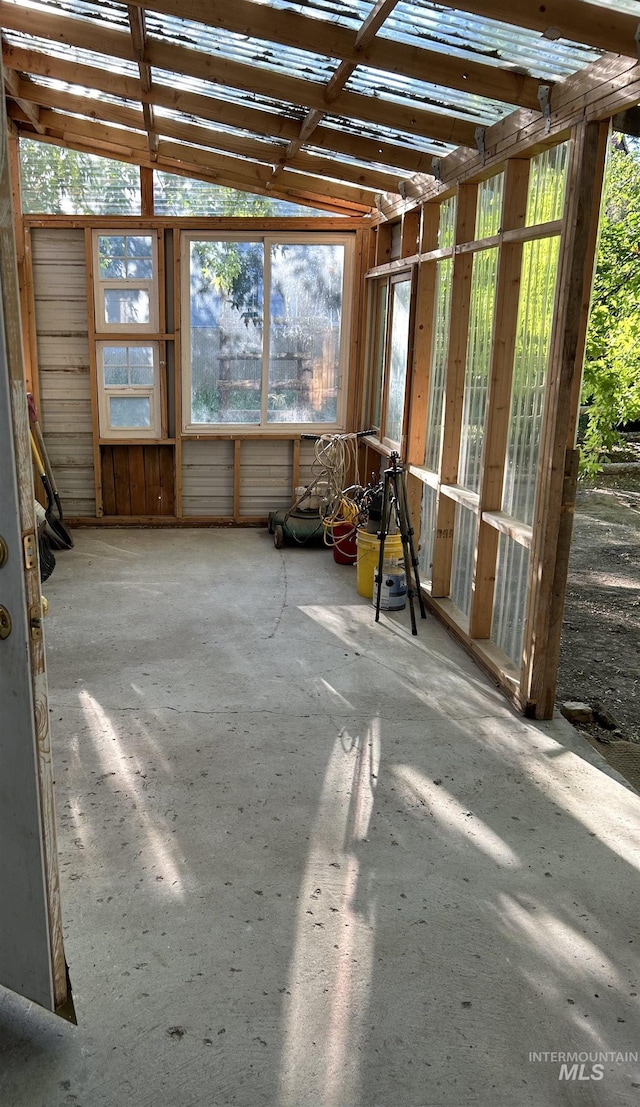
58 534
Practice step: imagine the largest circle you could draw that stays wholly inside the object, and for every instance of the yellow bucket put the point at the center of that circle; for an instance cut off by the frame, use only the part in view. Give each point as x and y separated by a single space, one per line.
368 557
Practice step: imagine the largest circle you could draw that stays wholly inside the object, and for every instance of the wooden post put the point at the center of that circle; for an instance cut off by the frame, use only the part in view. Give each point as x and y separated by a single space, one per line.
93 371
177 372
557 467
146 191
410 233
454 389
496 431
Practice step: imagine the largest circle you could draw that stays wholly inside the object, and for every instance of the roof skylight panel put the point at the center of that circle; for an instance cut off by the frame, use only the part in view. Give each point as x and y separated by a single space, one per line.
435 98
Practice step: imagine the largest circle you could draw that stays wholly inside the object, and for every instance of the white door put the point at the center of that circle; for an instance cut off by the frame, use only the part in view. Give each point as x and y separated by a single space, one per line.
31 949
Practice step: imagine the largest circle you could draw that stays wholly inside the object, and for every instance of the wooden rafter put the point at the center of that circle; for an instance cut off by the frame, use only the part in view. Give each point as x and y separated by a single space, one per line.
139 41
219 70
289 28
118 140
251 119
381 10
12 86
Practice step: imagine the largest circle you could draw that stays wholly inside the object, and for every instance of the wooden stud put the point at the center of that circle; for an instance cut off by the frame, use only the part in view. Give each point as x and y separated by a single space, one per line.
421 370
383 243
496 428
557 468
93 370
237 478
357 317
454 390
146 190
177 359
410 232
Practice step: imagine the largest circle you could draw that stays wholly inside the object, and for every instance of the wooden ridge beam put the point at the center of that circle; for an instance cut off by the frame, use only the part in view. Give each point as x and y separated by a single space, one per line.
319 36
221 71
252 119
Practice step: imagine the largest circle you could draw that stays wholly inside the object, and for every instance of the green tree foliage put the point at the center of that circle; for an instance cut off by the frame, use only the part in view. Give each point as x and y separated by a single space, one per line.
611 386
56 180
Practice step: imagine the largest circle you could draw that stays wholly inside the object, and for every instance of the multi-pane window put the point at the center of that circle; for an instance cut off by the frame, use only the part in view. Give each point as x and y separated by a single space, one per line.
125 282
266 342
128 393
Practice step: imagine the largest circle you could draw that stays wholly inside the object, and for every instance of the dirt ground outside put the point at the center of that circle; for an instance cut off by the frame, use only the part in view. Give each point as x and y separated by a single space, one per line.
600 652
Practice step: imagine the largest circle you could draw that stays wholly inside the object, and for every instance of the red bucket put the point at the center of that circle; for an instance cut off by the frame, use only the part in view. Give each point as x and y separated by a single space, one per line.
343 537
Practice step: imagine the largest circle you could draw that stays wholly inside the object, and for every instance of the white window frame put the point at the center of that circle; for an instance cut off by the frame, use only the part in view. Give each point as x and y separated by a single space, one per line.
268 240
137 391
102 284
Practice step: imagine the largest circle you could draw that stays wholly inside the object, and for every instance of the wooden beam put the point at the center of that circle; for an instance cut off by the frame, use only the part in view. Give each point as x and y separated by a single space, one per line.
219 70
255 149
259 122
320 36
146 191
576 20
12 85
557 466
139 41
285 191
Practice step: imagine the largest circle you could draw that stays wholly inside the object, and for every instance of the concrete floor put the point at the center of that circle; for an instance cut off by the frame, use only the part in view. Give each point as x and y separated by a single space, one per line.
308 861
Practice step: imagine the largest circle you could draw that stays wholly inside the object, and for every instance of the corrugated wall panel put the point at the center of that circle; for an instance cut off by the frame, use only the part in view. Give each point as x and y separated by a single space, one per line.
60 291
265 476
207 478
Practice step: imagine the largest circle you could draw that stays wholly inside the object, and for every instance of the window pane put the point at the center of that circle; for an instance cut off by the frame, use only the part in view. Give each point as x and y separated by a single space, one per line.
115 374
533 338
139 269
478 365
464 548
401 303
510 597
130 411
139 246
447 225
439 356
126 305
379 325
427 532
113 268
226 331
547 180
304 350
489 207
111 245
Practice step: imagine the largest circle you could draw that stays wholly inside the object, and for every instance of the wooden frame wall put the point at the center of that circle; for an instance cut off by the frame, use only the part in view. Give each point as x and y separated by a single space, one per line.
531 686
172 436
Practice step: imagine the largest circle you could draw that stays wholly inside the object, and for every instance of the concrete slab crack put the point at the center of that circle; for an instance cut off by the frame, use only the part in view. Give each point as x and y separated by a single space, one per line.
284 598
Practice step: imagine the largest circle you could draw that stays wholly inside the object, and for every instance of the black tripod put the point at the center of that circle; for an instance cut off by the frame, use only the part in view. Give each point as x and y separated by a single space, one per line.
395 497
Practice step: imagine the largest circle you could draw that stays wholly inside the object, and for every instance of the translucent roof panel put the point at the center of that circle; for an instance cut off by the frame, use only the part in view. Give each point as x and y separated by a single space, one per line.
378 133
175 195
71 53
434 98
226 94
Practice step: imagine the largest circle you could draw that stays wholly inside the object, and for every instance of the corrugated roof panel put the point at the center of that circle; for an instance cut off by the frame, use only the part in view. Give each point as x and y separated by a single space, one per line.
71 53
378 133
90 93
386 86
241 48
235 132
227 95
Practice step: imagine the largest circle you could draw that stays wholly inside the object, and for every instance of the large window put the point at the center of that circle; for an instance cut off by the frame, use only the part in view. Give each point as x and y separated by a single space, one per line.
266 330
128 393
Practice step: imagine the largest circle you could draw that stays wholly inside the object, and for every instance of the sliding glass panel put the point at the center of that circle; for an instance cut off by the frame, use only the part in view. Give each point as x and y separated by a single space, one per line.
510 597
489 209
304 350
547 183
439 355
535 317
378 342
427 533
226 331
399 348
464 548
483 290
